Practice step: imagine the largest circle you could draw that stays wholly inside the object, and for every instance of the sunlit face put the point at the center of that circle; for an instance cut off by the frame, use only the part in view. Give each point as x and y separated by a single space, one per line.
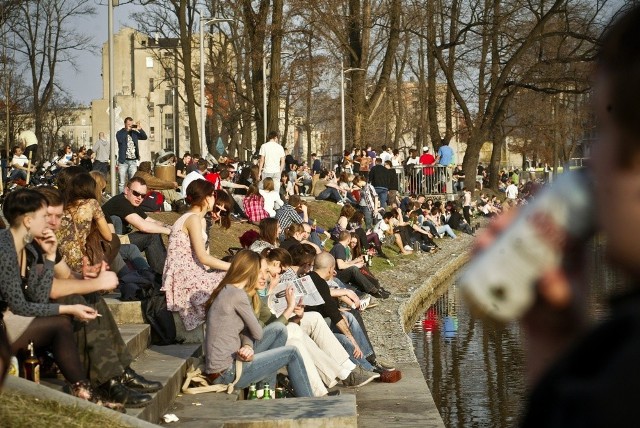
353 242
263 275
54 216
37 222
135 194
127 124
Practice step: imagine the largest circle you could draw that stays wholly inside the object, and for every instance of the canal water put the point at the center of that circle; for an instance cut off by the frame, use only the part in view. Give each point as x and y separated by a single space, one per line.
475 371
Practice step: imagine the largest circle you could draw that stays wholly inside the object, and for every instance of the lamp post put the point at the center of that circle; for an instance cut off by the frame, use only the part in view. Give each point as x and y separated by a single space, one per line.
112 125
343 71
161 107
204 21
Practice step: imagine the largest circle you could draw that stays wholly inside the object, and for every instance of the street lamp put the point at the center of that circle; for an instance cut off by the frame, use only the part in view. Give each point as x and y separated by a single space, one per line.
342 73
204 21
161 107
112 125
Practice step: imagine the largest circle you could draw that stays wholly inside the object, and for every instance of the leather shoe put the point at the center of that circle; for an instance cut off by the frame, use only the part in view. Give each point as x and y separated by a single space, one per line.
115 390
133 380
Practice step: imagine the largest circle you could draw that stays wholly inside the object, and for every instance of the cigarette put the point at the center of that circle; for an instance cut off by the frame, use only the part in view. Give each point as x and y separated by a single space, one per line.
98 315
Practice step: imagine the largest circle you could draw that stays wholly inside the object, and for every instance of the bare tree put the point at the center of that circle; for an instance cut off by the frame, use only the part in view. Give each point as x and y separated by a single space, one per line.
45 37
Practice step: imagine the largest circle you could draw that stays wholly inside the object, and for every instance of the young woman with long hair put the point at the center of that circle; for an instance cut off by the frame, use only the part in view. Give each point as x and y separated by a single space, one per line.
82 212
233 331
269 232
28 314
187 279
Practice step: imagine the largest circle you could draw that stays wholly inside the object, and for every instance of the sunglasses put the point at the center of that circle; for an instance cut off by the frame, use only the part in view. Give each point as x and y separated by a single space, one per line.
137 194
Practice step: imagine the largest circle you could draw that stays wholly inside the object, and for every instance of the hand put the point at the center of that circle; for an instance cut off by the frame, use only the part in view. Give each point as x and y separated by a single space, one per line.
304 208
358 262
559 314
81 312
48 243
354 298
357 353
245 353
92 271
290 297
175 184
139 126
299 310
108 280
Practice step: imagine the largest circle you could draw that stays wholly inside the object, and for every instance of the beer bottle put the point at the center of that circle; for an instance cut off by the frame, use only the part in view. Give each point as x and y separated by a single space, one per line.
252 392
266 392
14 368
31 365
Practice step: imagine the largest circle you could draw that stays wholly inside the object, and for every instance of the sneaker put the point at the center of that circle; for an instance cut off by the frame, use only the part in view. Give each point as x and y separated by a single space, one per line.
408 248
386 364
340 203
360 377
333 393
364 302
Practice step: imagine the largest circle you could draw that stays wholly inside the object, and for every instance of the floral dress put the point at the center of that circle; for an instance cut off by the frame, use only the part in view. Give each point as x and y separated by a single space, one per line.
75 226
187 283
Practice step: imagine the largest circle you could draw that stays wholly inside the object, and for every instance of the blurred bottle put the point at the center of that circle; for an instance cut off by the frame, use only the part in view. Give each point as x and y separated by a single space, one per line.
500 281
31 365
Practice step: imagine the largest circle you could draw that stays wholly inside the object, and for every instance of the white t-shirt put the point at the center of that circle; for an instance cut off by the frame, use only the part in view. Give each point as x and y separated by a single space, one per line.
272 201
21 160
272 152
512 191
193 175
380 228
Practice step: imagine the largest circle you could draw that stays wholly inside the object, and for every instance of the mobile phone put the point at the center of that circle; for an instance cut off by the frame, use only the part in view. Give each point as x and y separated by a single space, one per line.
134 126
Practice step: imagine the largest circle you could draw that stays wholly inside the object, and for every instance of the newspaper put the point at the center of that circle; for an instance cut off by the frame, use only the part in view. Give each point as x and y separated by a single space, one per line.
303 288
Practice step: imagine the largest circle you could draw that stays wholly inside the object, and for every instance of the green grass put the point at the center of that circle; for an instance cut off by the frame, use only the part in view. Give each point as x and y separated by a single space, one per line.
18 411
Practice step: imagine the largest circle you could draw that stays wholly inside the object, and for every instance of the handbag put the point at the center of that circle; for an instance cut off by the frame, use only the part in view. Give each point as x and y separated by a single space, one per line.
197 383
99 249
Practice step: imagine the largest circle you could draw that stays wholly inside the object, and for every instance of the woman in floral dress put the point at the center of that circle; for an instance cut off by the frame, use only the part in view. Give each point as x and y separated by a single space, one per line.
191 273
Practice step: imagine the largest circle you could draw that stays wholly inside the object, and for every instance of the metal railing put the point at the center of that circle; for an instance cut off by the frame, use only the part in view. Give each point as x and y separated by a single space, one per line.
428 180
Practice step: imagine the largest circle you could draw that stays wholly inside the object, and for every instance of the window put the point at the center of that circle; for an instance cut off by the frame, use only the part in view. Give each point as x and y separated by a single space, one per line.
186 132
168 96
71 134
70 121
152 109
149 62
84 135
168 144
152 132
151 86
83 121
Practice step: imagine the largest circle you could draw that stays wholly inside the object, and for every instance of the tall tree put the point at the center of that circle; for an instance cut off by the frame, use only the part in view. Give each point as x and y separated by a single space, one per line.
45 37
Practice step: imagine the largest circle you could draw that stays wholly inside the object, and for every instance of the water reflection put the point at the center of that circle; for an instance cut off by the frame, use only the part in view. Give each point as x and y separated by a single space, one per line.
476 371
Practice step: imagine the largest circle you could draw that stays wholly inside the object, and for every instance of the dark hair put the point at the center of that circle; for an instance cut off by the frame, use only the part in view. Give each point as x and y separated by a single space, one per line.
198 190
278 254
51 194
82 186
388 215
132 180
269 230
202 164
293 229
357 217
145 167
21 202
224 200
619 60
347 211
294 200
272 135
302 254
63 180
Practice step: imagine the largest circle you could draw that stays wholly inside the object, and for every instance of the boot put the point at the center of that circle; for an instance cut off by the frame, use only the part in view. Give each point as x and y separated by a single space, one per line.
116 390
83 390
134 381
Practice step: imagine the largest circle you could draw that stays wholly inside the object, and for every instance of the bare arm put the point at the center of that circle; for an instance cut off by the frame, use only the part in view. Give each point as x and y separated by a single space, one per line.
344 329
260 165
282 163
193 225
147 225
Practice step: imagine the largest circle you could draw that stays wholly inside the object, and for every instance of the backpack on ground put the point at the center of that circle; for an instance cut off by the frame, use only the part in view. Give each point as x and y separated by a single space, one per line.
156 314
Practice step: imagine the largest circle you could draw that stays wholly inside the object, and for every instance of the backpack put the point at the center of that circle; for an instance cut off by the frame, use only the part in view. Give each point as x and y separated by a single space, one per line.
156 314
153 202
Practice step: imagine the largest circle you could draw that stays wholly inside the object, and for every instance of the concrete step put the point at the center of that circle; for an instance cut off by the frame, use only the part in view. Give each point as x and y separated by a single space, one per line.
131 313
213 410
137 337
167 364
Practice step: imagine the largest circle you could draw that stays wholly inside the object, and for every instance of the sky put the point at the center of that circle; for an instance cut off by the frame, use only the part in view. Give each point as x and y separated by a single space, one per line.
85 83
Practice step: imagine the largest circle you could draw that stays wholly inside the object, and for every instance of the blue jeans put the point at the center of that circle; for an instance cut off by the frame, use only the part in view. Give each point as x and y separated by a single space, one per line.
153 247
368 217
360 338
383 194
129 167
267 362
274 336
329 194
446 229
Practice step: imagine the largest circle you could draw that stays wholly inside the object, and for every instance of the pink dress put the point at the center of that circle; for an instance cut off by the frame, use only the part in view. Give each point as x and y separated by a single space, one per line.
187 283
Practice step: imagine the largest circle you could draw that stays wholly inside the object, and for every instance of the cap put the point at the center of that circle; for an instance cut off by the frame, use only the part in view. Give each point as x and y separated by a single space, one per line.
425 148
